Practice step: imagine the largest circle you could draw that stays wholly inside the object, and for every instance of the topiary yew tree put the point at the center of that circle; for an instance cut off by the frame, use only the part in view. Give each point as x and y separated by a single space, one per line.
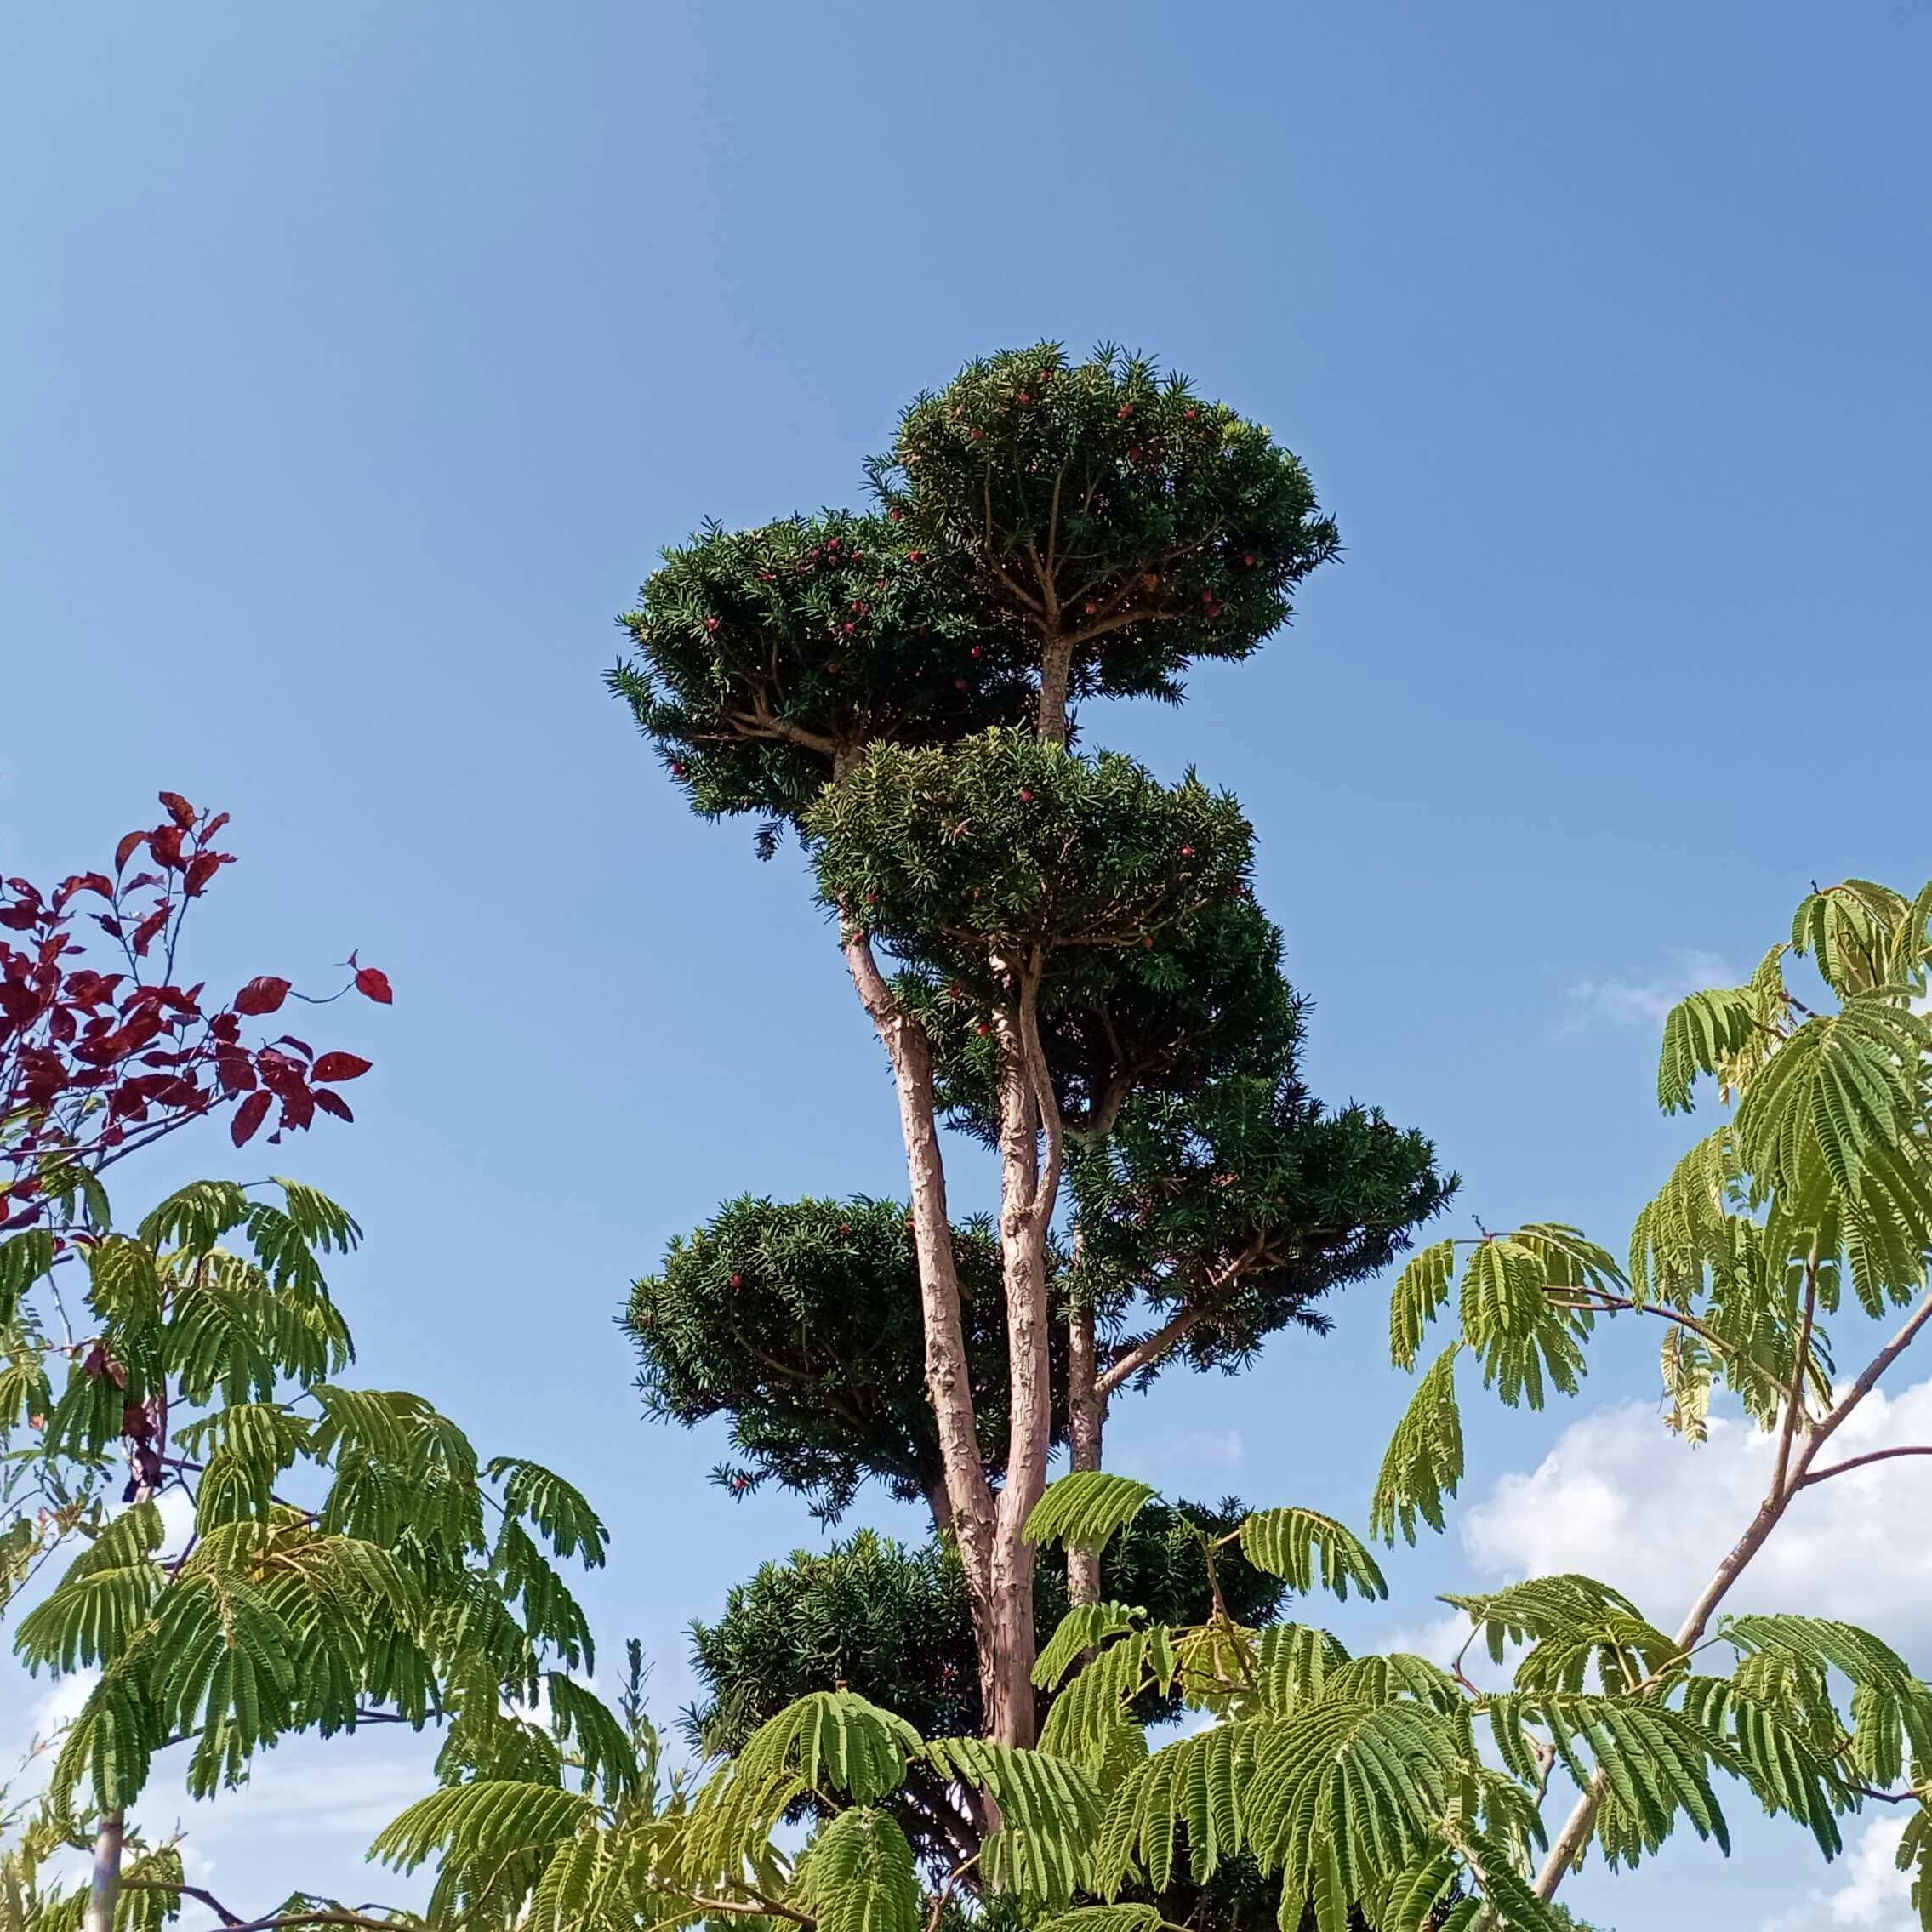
1078 971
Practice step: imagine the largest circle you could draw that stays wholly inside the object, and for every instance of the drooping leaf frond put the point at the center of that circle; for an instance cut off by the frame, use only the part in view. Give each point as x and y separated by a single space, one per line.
1049 1808
1423 1463
1307 1550
1421 1290
857 1875
834 1738
1084 1509
1083 1628
1703 1033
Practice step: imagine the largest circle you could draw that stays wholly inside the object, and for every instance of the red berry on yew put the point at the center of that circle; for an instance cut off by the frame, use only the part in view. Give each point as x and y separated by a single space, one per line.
1026 796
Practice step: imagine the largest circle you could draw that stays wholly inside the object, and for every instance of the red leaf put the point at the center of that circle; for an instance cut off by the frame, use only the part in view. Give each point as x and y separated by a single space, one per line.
86 883
262 995
149 930
201 869
213 825
234 1069
178 809
249 1118
301 1046
333 1104
131 842
165 843
338 1067
372 983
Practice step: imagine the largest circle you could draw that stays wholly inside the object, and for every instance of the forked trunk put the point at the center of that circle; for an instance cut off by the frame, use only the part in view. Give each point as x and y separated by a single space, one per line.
970 1509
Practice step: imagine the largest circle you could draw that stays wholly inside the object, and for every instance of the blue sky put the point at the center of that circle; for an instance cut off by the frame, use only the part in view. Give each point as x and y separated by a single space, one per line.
357 359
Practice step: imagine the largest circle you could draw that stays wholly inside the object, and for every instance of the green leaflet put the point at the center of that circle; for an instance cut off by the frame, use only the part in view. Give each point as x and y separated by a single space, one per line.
1196 1783
832 1737
554 1506
475 1822
1083 1628
1307 1549
1421 1290
1423 1462
1293 1663
1105 1918
857 1875
1084 1509
1703 1033
1510 1319
1050 1810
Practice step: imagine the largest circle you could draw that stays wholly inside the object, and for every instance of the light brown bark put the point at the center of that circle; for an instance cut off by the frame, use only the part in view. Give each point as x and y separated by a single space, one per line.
1086 1420
104 1884
1026 1194
949 1381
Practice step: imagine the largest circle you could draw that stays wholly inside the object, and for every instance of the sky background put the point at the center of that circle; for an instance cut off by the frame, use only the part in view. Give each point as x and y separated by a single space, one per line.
357 360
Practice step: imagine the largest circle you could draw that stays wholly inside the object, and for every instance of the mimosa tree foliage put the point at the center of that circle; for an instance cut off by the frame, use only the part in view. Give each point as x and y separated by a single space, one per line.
342 1556
893 1623
1379 1790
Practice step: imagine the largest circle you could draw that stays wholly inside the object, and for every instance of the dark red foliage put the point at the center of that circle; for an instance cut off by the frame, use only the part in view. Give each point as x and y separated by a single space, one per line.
372 982
95 1063
262 995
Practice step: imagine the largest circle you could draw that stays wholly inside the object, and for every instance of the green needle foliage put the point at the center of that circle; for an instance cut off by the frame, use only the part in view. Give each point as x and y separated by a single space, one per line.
800 1322
1078 974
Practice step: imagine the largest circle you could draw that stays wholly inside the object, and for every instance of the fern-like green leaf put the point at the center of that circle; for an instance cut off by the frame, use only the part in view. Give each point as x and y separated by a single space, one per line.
1423 1463
1084 1509
490 1818
857 1875
1702 1031
1306 1549
1421 1290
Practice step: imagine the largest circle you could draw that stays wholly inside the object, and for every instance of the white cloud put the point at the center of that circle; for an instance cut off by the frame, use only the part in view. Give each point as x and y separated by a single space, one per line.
1644 1002
1620 1498
1873 1892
